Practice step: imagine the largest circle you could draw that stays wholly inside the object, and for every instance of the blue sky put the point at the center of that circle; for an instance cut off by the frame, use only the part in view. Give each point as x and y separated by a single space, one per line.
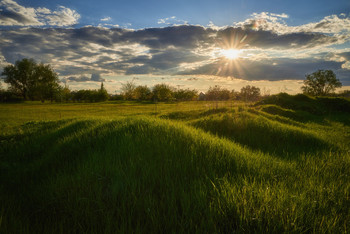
143 14
182 43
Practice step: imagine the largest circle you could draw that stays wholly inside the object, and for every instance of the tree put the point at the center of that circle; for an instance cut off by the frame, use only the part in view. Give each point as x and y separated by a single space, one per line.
321 83
65 94
250 93
45 83
31 80
162 92
20 76
217 93
143 93
128 90
102 94
185 94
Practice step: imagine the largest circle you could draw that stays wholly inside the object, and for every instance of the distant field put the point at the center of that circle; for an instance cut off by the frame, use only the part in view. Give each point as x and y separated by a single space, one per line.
281 165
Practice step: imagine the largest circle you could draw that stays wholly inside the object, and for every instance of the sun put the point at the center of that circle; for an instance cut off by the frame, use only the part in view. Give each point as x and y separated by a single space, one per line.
231 53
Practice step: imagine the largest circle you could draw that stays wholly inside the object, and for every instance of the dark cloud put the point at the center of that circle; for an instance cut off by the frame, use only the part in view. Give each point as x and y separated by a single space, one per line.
345 55
78 79
95 50
97 78
144 69
160 61
187 36
11 17
245 37
272 70
94 77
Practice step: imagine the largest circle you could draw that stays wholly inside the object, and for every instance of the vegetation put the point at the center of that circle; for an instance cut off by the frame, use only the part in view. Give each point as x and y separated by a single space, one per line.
281 165
162 92
89 95
217 93
142 93
250 93
31 80
128 90
321 83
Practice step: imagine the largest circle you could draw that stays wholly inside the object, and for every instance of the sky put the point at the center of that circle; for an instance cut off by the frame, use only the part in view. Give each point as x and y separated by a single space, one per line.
187 44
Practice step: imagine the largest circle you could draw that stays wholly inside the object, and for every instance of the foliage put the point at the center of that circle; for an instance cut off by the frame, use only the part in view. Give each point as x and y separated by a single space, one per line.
102 94
185 94
217 93
143 93
250 93
89 95
321 83
344 93
162 92
128 90
64 94
32 80
9 96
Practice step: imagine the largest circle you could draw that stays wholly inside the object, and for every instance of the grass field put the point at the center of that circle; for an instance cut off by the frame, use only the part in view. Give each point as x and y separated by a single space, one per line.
281 165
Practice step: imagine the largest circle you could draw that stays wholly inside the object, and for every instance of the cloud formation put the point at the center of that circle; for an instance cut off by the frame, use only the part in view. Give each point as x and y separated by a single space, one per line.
172 21
106 19
83 78
268 69
269 47
13 14
336 25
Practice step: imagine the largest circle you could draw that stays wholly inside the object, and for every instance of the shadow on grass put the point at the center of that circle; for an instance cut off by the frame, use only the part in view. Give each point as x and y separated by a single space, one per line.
190 115
303 108
262 134
132 174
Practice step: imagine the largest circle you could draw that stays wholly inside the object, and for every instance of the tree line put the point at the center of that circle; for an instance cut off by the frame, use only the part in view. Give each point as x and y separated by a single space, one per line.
164 92
29 80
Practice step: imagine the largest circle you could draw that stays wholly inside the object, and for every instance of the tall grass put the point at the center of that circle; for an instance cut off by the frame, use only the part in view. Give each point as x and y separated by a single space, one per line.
227 170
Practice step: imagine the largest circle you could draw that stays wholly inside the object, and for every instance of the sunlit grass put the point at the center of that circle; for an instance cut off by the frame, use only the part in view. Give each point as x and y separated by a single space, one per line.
186 167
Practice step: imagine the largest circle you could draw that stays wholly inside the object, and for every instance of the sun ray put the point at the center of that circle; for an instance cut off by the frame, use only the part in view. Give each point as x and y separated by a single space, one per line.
231 53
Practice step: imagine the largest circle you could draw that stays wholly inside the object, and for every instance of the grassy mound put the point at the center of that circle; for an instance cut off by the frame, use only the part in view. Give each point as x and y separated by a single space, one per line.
301 102
260 133
150 175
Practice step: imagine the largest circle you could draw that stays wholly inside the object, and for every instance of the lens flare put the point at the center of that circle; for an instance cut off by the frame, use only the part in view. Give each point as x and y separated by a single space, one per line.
231 53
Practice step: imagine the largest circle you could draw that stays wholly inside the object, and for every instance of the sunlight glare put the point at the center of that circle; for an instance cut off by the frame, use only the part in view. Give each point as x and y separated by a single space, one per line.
231 53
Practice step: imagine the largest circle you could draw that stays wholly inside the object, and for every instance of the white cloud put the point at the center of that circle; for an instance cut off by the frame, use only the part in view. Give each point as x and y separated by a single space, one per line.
63 17
43 10
172 21
283 15
13 14
333 24
106 19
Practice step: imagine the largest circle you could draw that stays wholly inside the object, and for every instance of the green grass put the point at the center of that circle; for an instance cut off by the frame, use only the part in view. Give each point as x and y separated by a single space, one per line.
188 167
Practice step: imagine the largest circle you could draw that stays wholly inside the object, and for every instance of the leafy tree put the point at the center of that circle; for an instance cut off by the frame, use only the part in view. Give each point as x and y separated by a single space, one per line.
162 92
217 93
142 93
250 93
45 83
128 90
20 76
185 94
102 94
31 80
65 94
321 83
235 94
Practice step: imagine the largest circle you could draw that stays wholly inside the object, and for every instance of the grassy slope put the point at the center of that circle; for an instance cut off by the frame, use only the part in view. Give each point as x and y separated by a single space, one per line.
248 170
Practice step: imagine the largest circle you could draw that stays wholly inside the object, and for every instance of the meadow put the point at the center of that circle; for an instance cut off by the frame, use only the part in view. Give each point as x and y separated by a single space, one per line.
281 165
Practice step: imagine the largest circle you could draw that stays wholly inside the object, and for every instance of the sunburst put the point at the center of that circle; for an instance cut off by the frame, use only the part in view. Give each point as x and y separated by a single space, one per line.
231 53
